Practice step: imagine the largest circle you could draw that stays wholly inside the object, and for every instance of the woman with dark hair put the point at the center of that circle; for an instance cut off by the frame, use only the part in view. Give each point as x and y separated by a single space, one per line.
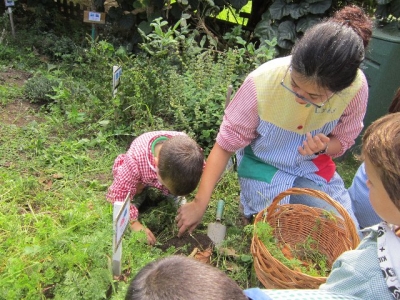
290 117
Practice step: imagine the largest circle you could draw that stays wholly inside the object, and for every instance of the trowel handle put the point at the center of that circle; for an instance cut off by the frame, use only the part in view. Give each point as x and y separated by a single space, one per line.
220 209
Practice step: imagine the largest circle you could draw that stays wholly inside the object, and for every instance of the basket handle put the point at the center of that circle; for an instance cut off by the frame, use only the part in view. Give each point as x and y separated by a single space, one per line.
323 196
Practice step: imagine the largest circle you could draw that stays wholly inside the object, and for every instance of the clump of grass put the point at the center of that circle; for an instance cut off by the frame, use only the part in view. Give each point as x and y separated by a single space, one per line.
302 257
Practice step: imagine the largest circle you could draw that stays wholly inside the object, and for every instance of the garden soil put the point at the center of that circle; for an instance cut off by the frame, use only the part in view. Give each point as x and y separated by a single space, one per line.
19 112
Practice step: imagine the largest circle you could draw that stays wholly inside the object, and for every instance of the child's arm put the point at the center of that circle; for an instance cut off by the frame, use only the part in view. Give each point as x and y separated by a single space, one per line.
126 178
137 226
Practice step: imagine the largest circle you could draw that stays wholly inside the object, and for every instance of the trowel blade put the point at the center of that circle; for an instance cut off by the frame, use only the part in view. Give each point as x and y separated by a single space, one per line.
216 232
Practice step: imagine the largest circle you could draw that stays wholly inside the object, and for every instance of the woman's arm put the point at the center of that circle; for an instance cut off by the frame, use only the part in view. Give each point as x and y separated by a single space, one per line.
351 122
190 214
237 130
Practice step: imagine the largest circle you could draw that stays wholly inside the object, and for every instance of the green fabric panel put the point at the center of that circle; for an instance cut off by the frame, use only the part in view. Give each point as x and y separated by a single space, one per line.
254 168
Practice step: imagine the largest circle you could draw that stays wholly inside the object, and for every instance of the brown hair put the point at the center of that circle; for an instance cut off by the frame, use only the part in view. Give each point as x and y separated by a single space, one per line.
179 278
180 164
381 144
355 18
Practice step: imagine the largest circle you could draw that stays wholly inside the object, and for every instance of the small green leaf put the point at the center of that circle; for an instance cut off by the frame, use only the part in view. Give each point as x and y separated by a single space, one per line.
145 27
246 258
104 122
32 250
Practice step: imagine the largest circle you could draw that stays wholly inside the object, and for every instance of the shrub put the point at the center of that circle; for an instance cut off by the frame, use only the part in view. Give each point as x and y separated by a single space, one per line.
40 88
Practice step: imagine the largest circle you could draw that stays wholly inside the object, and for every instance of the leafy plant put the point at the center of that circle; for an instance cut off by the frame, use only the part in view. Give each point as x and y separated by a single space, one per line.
248 51
287 20
40 88
304 257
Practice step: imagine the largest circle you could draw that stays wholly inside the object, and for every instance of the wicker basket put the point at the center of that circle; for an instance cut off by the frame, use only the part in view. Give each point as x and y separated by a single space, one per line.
292 224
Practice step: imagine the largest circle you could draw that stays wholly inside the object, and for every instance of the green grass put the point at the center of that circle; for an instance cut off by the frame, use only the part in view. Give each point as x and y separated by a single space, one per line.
55 223
56 226
347 167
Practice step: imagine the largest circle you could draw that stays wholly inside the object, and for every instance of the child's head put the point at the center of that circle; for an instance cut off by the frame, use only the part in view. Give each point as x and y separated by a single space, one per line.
181 277
180 164
381 151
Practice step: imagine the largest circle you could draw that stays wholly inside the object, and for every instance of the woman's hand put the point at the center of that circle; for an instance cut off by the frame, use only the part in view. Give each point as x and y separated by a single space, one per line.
136 226
314 144
189 216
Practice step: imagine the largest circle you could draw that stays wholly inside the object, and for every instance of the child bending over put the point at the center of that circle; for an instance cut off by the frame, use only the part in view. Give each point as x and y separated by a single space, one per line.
167 160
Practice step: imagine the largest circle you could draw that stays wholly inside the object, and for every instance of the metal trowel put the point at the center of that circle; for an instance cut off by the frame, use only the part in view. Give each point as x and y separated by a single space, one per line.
216 231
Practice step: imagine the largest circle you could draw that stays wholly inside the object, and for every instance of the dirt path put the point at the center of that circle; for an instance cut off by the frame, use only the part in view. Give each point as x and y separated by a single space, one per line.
19 112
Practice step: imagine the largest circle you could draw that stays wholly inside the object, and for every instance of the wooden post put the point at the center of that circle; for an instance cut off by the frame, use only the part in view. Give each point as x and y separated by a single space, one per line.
11 17
77 14
59 8
65 8
71 10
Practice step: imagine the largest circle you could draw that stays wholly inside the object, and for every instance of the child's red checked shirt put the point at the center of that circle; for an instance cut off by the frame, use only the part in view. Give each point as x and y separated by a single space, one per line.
136 166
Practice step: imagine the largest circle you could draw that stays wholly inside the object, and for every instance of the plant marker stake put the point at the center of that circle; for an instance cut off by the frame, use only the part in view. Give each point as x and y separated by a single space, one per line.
117 71
93 32
94 18
120 221
11 21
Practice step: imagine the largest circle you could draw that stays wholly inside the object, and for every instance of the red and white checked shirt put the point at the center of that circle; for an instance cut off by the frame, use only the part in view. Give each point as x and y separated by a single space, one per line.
136 166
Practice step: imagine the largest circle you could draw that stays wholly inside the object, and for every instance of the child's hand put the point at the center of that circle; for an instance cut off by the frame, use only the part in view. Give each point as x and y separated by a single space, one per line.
314 144
139 188
136 226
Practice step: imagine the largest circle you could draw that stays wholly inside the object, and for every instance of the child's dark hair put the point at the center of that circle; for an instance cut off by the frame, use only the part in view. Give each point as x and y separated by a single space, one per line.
180 278
381 144
331 52
180 164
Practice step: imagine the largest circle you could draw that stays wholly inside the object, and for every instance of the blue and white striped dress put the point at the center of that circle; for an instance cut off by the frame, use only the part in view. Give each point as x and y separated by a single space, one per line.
264 125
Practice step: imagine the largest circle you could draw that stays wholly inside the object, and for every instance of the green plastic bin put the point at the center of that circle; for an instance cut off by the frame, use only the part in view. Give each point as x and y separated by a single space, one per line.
382 69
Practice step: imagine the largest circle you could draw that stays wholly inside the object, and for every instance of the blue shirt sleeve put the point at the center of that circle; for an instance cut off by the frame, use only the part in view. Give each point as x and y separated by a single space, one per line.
358 273
256 294
359 194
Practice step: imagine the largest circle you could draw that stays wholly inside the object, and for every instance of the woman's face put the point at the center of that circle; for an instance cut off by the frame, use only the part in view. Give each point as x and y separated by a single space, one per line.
308 89
378 196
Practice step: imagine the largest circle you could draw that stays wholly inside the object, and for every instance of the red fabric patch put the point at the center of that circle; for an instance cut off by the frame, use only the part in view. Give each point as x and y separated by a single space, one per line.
326 166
